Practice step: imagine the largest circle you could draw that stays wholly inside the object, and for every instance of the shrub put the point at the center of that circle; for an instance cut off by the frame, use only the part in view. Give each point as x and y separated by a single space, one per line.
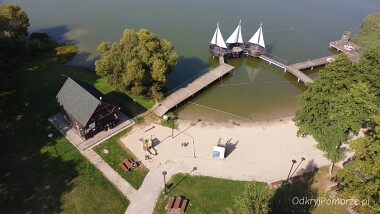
66 50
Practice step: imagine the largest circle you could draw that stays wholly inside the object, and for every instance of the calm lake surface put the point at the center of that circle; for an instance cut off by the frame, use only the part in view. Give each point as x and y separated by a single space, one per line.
255 90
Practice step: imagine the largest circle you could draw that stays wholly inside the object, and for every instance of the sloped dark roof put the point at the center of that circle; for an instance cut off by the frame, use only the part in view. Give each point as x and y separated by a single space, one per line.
80 99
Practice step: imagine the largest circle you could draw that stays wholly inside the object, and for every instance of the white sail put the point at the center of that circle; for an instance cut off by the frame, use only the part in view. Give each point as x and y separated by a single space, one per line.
261 41
258 38
236 36
217 39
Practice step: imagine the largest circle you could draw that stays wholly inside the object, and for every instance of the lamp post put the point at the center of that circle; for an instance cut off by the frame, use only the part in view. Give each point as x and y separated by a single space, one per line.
164 174
293 161
172 118
51 141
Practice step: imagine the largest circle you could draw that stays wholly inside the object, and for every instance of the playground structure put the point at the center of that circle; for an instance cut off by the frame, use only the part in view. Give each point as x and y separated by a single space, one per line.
148 145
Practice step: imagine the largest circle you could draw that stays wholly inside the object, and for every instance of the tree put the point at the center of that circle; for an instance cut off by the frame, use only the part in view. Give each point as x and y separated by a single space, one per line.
336 105
255 200
368 69
361 177
40 43
14 25
140 62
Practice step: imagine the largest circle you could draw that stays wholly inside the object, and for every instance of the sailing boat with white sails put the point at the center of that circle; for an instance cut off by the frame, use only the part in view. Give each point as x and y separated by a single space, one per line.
256 45
218 47
235 41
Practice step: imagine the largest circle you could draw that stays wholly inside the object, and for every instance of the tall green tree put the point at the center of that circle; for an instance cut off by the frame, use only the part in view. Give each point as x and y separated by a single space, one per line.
254 200
14 25
361 177
140 62
368 69
336 105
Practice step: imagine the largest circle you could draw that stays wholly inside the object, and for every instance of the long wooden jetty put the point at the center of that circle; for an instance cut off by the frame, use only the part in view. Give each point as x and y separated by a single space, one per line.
198 84
351 49
175 98
296 72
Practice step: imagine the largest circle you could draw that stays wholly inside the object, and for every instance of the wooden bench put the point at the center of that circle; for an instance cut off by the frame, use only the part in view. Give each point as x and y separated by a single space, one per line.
124 167
295 179
127 163
170 204
183 206
177 203
276 184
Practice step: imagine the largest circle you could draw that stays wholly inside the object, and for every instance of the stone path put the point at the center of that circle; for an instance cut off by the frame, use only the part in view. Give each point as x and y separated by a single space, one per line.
122 185
144 200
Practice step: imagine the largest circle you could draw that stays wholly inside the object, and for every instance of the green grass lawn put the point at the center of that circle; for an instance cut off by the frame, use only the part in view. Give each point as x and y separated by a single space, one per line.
213 195
117 153
32 178
206 194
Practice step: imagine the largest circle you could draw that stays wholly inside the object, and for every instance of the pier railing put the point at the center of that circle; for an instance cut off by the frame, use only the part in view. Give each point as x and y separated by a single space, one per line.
277 58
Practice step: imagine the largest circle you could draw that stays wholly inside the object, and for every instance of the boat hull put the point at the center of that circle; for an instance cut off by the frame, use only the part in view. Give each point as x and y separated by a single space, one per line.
217 51
255 50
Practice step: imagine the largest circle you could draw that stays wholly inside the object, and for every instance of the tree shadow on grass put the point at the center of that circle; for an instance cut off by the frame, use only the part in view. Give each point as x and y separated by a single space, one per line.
32 178
287 198
173 186
128 106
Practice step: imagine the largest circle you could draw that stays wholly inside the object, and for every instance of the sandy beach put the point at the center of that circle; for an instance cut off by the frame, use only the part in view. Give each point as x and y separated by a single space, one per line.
261 151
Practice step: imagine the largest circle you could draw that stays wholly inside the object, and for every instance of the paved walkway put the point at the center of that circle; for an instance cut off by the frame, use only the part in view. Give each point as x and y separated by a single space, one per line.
144 200
122 185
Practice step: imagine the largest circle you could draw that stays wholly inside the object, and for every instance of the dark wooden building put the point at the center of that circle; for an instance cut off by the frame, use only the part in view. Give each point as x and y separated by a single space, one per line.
85 108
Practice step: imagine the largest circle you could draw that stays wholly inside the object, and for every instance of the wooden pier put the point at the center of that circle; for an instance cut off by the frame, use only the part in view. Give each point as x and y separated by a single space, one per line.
171 101
313 63
351 49
296 72
198 84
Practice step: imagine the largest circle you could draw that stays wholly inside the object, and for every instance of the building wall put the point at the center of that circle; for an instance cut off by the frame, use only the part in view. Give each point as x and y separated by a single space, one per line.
100 118
74 123
97 121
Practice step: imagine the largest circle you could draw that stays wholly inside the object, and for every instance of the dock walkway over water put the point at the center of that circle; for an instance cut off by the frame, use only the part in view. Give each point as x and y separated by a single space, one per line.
186 91
198 84
347 47
299 74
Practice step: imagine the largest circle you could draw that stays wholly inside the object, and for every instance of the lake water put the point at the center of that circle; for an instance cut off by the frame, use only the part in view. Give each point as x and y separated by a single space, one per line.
255 90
